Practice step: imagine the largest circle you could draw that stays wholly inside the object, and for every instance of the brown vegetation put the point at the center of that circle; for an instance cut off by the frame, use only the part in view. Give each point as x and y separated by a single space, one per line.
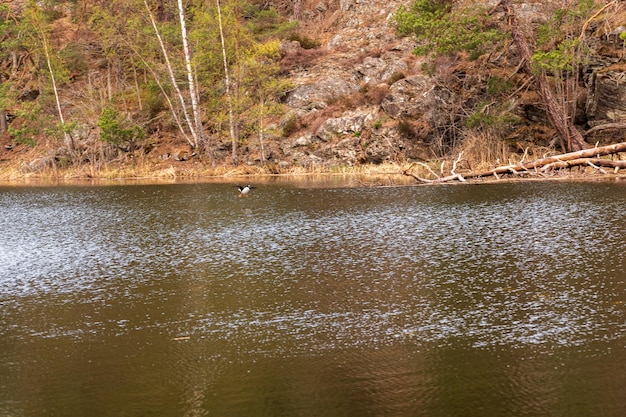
535 168
477 124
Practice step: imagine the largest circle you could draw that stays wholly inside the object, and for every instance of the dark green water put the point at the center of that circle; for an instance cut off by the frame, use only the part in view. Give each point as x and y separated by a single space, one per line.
316 300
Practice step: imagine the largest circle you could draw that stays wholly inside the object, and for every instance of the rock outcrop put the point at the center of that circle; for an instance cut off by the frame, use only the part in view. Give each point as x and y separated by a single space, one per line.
362 53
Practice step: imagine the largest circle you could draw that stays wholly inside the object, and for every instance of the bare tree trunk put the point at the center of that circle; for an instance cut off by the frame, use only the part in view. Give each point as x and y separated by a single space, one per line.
260 127
231 119
3 121
3 118
69 142
137 89
194 142
193 94
167 98
583 157
556 114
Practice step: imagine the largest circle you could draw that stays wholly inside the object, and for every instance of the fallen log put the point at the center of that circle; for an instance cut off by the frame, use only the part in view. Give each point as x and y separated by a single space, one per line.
526 166
588 157
593 162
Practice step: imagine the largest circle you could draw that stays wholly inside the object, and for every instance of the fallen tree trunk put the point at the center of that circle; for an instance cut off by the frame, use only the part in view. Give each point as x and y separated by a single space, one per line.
592 162
588 157
525 166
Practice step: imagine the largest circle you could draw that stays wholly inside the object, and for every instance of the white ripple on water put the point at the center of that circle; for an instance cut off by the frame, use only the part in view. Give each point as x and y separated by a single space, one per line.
512 272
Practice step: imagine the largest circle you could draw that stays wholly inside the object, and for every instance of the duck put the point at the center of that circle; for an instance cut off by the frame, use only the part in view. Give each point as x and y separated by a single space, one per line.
244 190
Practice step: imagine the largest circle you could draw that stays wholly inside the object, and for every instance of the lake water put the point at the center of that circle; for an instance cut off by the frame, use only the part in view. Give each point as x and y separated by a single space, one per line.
313 299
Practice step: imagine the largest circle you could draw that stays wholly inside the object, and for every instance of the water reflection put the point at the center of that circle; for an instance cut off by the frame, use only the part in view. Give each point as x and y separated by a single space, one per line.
187 300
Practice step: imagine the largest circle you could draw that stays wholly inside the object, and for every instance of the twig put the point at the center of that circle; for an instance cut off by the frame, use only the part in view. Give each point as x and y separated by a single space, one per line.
588 21
429 169
452 171
591 164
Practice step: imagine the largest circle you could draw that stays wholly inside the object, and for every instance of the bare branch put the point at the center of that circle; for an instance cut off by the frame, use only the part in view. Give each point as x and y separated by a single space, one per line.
538 167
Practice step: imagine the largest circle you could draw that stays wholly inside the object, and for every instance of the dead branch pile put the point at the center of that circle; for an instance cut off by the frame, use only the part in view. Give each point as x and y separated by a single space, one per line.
539 167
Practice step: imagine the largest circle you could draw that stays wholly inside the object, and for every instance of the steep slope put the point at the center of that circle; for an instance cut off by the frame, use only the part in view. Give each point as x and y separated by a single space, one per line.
367 98
360 96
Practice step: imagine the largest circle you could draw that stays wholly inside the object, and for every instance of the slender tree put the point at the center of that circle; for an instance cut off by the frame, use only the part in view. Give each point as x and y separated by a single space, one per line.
191 126
262 86
229 99
193 93
37 22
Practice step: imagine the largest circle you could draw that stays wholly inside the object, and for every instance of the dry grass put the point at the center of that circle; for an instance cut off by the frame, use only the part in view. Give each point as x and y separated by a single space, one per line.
300 59
487 150
144 169
481 151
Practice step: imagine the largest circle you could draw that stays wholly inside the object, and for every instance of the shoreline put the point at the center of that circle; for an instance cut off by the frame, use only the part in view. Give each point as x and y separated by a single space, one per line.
387 175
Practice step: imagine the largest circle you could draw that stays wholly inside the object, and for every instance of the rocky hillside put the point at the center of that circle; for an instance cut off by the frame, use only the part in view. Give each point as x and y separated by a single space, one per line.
342 103
361 96
368 98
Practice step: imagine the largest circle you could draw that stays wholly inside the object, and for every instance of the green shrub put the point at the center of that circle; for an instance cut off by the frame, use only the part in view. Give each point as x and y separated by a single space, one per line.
498 85
114 130
561 58
305 41
30 120
24 135
267 23
290 126
152 97
74 59
442 30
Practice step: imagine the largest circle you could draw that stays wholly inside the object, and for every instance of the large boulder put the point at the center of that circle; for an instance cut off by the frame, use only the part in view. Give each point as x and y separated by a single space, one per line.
606 101
319 93
351 122
417 97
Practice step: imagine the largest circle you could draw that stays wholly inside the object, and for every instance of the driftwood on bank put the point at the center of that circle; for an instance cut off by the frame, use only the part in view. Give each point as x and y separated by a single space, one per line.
586 157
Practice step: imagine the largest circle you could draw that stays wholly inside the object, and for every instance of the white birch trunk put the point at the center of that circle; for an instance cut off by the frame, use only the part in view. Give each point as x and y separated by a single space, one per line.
231 123
193 94
167 98
193 142
68 140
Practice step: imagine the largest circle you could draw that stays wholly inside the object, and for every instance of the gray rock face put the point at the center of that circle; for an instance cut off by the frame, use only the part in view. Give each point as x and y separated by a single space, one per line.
365 53
606 102
374 70
419 98
352 122
317 94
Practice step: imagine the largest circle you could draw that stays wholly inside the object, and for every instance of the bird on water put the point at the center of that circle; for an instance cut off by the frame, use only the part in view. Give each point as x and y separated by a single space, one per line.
243 191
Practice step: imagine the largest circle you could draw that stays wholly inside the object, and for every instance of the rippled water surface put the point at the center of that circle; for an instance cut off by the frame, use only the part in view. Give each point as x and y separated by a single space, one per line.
185 300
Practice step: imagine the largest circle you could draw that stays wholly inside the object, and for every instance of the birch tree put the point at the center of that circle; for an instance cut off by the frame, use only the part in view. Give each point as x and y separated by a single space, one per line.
194 140
37 22
229 98
193 93
128 43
